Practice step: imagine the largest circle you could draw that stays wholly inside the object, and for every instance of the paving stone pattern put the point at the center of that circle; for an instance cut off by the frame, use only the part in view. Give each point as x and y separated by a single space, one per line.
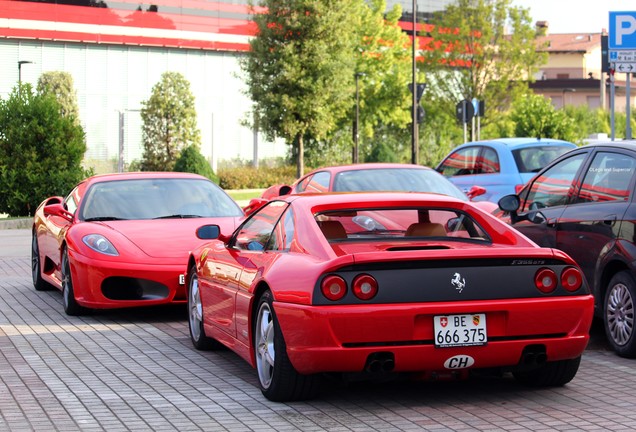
136 370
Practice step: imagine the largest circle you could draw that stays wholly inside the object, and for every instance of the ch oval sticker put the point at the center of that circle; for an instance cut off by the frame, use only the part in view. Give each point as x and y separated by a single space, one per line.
459 362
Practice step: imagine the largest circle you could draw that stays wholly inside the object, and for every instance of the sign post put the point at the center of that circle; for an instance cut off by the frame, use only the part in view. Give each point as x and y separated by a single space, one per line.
622 57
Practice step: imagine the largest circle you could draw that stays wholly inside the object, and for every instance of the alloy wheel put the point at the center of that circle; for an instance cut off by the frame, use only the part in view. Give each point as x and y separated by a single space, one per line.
264 341
620 314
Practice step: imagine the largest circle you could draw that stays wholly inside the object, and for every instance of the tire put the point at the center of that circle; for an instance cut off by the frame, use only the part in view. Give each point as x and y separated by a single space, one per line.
278 379
551 374
71 307
36 267
618 314
195 316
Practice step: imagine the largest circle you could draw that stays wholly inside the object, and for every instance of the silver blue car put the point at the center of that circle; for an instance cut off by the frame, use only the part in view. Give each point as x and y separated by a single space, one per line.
502 166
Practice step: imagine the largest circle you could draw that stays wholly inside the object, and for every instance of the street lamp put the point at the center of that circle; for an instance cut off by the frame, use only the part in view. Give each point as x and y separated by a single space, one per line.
20 63
356 134
414 133
567 90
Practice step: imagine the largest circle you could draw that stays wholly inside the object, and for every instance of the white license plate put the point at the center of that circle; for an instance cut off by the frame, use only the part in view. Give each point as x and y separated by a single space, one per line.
460 330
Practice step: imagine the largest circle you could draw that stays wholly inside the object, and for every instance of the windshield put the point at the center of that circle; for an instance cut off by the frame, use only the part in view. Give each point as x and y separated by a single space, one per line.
156 198
396 179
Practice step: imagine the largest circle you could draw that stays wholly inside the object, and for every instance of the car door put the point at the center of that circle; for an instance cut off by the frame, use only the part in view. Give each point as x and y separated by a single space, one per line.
544 200
590 224
475 165
229 269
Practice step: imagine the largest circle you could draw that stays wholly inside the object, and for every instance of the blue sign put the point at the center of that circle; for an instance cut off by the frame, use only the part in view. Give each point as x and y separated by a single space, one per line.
622 30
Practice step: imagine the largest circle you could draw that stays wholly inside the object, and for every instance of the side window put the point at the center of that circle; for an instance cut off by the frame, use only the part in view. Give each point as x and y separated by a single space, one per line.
555 186
283 233
69 203
608 178
319 182
257 231
302 185
488 162
461 162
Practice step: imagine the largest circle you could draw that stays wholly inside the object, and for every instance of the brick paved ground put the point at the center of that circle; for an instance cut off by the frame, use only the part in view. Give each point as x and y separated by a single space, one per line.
136 370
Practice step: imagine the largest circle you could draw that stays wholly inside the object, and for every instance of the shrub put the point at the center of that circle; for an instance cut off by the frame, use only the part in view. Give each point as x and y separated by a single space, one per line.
41 151
191 160
245 177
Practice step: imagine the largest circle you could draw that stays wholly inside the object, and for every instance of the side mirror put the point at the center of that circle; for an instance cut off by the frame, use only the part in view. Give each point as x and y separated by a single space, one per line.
475 191
509 203
208 232
57 209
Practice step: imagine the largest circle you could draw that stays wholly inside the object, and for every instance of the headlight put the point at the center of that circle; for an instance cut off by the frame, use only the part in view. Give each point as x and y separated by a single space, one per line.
100 244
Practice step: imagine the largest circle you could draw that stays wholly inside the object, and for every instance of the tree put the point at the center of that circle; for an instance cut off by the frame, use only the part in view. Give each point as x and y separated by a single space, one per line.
535 116
169 123
60 84
482 49
40 151
300 69
191 160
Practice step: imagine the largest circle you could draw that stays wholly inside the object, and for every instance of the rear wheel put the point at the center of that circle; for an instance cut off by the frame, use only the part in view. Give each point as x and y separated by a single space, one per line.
71 307
36 268
551 374
618 314
278 379
195 316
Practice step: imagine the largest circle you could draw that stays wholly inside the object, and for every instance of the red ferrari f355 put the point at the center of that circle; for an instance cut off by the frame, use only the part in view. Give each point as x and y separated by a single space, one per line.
122 240
385 283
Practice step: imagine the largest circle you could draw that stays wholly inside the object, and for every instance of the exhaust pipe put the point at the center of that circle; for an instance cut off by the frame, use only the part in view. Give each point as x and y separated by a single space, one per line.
380 362
533 356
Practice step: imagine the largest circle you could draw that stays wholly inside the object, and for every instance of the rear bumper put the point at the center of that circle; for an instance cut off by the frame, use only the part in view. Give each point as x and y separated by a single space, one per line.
341 338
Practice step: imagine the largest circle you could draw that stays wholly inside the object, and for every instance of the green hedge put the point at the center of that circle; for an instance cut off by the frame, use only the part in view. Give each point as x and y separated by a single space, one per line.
245 177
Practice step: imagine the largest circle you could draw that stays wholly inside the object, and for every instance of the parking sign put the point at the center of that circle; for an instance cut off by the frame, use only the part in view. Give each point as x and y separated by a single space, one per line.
622 30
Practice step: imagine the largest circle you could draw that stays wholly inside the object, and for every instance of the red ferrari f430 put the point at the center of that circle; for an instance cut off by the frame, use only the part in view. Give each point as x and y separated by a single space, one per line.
123 240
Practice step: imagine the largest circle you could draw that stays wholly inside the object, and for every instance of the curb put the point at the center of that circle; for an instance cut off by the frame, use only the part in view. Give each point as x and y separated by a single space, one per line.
16 223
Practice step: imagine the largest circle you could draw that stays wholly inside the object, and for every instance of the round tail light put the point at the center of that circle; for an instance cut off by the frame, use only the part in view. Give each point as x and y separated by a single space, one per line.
545 280
333 287
365 287
571 279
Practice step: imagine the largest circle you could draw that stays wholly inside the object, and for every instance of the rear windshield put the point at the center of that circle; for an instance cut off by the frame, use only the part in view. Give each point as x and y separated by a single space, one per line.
398 223
534 159
395 179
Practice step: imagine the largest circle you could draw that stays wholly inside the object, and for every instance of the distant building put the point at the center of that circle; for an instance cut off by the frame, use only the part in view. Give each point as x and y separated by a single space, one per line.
573 75
117 50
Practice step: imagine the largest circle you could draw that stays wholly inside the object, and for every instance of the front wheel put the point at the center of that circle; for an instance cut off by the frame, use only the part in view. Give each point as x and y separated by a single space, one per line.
36 267
195 315
551 374
618 314
278 379
71 307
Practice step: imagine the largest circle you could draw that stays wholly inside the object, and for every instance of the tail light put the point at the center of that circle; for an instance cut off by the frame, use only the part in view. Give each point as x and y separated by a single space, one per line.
365 287
545 280
571 279
333 287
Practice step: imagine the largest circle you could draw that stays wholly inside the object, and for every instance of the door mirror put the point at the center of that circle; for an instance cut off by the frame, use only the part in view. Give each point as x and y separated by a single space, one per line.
58 210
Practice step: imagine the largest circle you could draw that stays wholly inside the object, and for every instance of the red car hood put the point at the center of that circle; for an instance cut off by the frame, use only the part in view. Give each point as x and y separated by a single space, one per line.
169 238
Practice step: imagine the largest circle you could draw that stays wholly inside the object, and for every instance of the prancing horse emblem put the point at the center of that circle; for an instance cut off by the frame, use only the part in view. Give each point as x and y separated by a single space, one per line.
458 282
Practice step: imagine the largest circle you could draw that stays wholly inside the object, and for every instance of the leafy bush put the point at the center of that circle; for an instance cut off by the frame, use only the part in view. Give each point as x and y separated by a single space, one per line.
246 177
191 160
41 151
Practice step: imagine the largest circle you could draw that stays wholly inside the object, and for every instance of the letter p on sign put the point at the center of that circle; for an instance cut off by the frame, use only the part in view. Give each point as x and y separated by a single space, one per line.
622 34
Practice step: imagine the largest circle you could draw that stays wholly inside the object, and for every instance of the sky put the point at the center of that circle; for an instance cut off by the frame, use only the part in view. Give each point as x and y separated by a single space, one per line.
575 16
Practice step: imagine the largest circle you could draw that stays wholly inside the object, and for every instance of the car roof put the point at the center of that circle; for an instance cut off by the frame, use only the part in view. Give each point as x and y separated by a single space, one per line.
372 165
626 144
364 198
513 143
143 175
